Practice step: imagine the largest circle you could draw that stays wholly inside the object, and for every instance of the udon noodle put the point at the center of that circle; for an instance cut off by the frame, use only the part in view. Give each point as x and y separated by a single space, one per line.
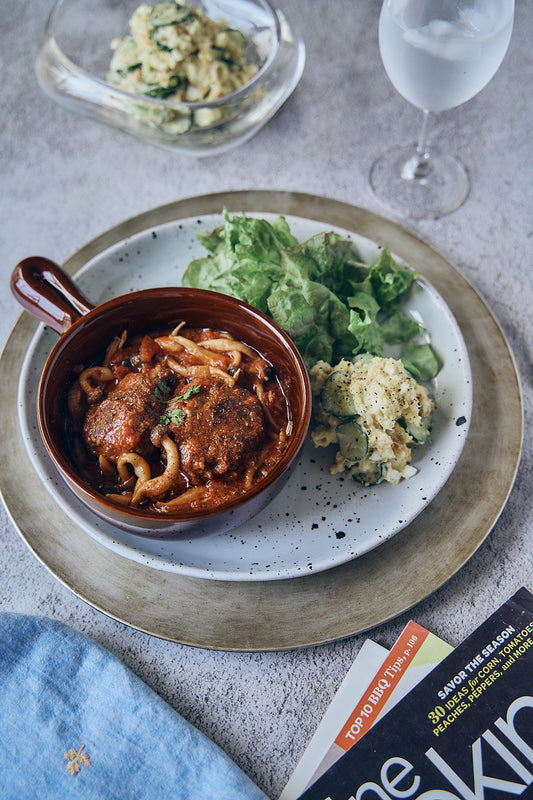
185 420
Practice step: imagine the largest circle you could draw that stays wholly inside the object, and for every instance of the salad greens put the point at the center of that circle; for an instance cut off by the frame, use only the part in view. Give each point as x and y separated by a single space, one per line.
331 305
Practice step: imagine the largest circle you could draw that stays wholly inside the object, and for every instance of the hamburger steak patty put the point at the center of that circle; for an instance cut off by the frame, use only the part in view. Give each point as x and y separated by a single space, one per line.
122 421
222 429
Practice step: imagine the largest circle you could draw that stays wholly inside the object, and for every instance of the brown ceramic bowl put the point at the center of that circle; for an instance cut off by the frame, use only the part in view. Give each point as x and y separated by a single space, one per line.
46 291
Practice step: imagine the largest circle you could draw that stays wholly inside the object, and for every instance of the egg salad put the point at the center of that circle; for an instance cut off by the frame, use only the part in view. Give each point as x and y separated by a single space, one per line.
374 412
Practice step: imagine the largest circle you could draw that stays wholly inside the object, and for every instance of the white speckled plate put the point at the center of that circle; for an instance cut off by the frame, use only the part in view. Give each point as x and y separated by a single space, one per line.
316 607
319 521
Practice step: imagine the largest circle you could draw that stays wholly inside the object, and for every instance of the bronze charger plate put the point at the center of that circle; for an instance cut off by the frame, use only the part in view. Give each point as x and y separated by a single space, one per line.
317 608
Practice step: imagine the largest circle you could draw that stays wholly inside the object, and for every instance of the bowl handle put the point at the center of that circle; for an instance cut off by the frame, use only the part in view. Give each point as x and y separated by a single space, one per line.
44 289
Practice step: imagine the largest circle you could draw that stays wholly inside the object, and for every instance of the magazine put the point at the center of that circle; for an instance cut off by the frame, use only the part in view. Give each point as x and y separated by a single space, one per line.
375 682
365 665
464 732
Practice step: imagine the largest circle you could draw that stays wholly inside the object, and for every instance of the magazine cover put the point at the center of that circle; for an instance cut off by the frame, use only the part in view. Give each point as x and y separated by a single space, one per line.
465 732
365 665
375 682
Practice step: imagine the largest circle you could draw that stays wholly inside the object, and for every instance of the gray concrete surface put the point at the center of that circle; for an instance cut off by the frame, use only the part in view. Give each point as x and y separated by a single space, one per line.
66 179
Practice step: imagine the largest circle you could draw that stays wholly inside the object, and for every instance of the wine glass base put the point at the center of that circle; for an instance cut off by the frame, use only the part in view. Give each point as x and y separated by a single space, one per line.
427 193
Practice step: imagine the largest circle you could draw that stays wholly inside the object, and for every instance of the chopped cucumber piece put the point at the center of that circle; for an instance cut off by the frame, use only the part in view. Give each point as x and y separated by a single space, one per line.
163 14
336 397
156 90
126 57
352 440
159 39
418 432
369 477
220 55
237 37
175 121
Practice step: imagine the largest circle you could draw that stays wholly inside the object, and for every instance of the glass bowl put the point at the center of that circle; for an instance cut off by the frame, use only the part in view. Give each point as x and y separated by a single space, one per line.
75 55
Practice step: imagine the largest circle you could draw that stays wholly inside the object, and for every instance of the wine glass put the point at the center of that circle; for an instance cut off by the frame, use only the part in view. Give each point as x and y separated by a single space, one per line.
437 54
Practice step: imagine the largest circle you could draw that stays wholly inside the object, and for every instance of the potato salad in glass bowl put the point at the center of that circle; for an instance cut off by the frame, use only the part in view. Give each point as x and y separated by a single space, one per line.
197 78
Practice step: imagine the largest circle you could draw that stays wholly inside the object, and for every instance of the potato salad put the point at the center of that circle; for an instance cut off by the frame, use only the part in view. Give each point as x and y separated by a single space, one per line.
374 412
177 52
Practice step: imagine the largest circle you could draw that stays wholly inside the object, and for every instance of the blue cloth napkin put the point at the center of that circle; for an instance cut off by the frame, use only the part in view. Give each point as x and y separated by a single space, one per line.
76 723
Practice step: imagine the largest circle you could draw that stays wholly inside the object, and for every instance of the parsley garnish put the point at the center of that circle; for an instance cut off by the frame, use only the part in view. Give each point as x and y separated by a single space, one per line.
162 391
193 390
175 415
172 414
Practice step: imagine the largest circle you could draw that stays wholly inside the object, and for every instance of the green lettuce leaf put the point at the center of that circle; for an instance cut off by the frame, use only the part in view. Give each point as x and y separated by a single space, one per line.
420 360
331 305
397 327
245 260
389 281
320 258
314 318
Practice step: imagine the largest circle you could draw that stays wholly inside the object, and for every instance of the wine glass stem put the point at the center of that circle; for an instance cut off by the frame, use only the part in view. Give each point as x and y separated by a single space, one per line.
418 167
422 147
